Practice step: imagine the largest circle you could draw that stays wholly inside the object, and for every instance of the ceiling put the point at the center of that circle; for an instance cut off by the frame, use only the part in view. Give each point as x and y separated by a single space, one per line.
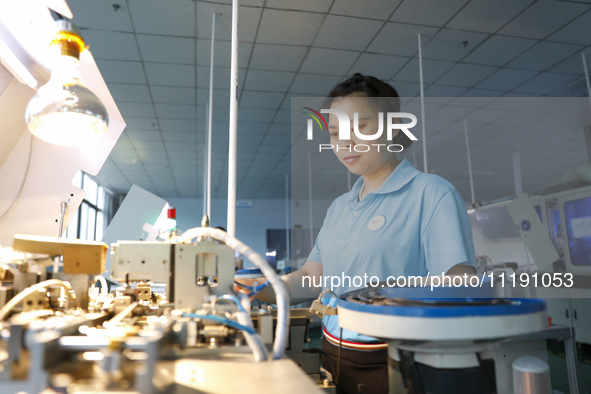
155 57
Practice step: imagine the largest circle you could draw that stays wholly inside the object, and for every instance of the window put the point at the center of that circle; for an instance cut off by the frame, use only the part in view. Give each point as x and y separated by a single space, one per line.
539 212
496 224
577 215
91 219
554 227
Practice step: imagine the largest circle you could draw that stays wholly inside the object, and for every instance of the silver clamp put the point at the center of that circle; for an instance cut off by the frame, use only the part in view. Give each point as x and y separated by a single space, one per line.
319 309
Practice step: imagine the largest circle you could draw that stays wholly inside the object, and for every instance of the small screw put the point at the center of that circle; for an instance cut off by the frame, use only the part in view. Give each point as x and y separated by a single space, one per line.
116 7
465 43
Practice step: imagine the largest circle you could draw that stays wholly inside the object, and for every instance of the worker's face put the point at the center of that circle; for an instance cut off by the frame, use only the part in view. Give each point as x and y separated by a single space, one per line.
354 153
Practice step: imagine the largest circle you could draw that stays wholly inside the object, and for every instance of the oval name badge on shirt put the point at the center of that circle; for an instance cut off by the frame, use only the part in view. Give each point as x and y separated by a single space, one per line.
376 223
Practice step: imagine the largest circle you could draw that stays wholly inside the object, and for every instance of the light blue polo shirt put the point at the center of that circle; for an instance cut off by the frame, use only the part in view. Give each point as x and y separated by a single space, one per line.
413 224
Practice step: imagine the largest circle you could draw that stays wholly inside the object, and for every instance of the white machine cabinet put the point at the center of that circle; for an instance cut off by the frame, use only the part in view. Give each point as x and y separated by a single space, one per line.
580 313
563 247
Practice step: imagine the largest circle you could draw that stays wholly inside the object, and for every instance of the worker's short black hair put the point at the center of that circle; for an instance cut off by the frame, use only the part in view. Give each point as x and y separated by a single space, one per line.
360 85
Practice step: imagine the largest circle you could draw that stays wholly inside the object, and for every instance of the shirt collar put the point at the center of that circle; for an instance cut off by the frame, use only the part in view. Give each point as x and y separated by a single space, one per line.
400 177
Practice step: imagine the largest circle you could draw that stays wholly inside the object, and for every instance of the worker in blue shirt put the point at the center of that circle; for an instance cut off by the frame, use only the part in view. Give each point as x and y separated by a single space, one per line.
396 221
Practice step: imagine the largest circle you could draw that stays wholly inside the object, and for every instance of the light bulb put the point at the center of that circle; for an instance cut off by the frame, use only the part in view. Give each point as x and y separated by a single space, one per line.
64 111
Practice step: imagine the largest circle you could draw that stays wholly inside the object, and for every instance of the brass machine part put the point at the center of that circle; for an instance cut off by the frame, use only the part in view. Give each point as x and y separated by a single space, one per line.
5 274
80 257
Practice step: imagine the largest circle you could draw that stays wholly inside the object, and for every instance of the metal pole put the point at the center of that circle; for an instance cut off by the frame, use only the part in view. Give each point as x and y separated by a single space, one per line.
310 200
517 173
469 162
586 76
287 225
570 350
205 164
425 168
210 117
63 206
233 123
587 129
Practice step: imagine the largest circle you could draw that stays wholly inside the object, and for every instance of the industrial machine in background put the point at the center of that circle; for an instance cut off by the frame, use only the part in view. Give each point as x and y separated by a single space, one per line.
548 235
539 238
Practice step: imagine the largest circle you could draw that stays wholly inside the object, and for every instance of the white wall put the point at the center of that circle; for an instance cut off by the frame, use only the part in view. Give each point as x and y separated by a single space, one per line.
251 223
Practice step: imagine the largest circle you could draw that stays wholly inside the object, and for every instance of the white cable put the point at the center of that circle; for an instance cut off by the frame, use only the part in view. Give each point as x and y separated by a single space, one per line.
281 295
20 297
255 342
121 315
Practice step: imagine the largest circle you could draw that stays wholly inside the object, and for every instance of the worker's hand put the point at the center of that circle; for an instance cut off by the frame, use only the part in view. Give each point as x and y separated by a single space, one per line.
247 285
241 285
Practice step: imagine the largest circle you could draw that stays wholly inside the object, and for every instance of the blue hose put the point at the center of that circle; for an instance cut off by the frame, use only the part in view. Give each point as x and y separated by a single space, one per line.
223 320
233 298
253 291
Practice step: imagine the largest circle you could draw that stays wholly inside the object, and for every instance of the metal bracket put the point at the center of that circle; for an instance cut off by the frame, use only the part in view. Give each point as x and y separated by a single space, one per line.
319 309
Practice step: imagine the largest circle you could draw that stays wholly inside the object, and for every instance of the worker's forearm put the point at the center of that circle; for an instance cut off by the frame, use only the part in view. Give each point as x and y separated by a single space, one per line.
267 294
300 283
299 286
